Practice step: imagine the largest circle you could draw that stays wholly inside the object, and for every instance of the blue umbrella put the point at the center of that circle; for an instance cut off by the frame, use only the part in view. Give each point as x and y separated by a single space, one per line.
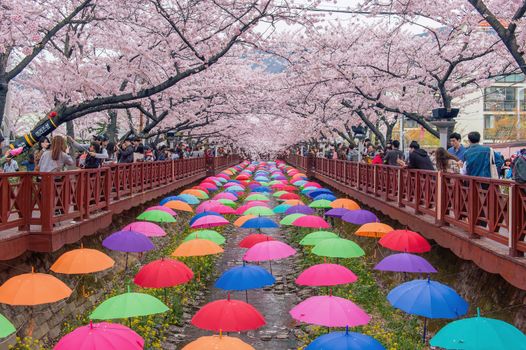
259 222
261 189
319 191
188 198
345 341
429 299
200 215
245 277
327 196
167 199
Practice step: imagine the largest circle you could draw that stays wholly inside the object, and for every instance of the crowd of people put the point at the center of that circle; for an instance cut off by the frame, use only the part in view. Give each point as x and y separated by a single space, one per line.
54 155
473 160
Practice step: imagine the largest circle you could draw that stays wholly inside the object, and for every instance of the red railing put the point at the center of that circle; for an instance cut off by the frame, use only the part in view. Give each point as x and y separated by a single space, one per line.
495 209
40 200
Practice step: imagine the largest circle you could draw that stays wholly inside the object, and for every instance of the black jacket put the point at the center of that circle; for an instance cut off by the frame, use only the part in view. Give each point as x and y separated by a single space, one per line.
126 156
419 159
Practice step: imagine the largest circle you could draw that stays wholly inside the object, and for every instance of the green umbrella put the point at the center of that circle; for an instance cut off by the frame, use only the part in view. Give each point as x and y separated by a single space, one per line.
156 216
279 193
6 327
259 211
320 203
211 235
338 248
128 305
289 219
316 237
228 202
257 197
275 182
477 333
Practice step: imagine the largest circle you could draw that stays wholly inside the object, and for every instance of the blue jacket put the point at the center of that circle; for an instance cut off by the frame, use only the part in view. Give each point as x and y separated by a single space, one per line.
477 160
460 154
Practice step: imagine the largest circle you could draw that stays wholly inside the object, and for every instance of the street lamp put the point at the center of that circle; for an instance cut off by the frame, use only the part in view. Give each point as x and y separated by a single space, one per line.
443 119
359 134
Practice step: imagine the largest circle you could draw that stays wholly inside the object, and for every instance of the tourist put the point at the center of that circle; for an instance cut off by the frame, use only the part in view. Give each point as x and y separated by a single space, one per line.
29 163
477 158
125 151
10 165
392 156
446 162
91 161
352 153
43 145
378 157
57 157
418 158
457 148
100 140
519 167
111 148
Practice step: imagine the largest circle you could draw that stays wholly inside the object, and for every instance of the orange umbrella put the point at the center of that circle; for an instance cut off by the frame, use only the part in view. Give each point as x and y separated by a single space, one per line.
33 288
81 261
178 205
374 229
345 203
294 202
218 342
241 220
197 247
197 193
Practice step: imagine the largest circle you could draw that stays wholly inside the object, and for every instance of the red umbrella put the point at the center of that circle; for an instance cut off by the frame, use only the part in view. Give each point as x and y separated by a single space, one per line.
228 316
254 238
405 241
289 196
290 188
311 221
163 273
242 177
311 184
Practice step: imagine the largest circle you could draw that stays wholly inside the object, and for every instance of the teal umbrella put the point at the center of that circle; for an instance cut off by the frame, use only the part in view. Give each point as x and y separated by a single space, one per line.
479 333
6 327
282 208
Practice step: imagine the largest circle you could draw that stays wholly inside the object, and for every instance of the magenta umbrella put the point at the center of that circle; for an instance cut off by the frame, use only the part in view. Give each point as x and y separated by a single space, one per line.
148 229
101 336
209 221
162 208
326 275
311 221
206 205
222 209
329 311
226 195
269 250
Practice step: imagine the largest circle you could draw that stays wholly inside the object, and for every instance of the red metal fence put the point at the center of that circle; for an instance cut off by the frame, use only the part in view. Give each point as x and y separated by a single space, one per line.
495 209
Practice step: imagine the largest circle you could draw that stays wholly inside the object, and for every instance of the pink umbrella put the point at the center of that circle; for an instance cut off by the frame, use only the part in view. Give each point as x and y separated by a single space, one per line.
329 311
209 221
162 208
101 336
224 176
326 275
222 209
230 184
146 228
312 221
269 250
208 185
226 195
206 205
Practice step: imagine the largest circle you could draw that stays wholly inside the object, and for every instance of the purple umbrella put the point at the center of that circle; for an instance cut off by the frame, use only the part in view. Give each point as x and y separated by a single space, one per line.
300 209
405 262
129 242
337 212
360 217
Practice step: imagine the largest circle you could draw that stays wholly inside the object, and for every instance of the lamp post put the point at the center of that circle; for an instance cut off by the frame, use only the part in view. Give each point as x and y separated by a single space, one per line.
359 134
443 119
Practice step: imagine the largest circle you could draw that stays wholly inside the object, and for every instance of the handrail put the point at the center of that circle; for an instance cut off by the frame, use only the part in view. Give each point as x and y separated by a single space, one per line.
483 207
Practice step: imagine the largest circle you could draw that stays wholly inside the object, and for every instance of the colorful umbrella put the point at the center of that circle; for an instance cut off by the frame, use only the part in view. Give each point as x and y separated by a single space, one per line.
316 237
101 336
163 273
345 203
225 195
329 311
209 221
196 193
338 248
280 209
336 212
197 247
206 205
288 195
360 217
188 198
405 241
259 211
269 250
321 204
374 229
228 316
311 221
228 202
179 205
81 261
279 193
223 209
6 327
211 235
202 214
345 341
259 222
156 216
241 220
253 239
128 304
405 262
218 342
146 228
245 277
162 208
128 241
293 202
327 196
289 219
257 197
326 275
300 209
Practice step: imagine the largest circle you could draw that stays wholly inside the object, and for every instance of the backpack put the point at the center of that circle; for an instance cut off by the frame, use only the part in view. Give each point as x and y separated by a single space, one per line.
519 169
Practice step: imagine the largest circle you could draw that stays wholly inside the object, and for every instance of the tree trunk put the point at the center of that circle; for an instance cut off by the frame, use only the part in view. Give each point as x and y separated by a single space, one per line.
70 131
3 100
112 125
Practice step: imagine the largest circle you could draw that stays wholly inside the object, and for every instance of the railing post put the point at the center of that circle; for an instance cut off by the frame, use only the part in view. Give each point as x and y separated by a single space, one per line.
400 188
107 185
375 179
513 228
25 194
418 192
358 176
47 207
387 181
210 165
472 211
311 166
440 199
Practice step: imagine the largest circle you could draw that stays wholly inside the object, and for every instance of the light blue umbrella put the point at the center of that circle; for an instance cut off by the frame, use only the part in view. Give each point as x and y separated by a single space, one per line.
345 341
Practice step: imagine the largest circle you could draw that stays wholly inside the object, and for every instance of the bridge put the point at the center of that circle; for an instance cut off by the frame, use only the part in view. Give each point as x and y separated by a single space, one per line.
41 212
479 219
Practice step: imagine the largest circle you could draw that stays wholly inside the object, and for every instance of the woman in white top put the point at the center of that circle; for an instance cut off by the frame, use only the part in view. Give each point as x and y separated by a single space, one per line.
57 157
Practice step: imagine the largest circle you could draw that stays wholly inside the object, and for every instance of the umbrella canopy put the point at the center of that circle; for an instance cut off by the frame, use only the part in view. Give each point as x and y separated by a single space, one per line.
156 216
226 195
405 241
316 237
179 205
163 273
222 209
317 192
311 221
300 209
81 261
479 333
336 212
148 229
326 196
218 342
269 250
428 298
288 195
338 248
279 193
345 341
326 275
259 222
329 311
211 235
360 217
259 211
196 193
345 203
101 336
228 202
128 241
373 229
129 304
33 288
228 315
188 198
197 247
405 262
253 239
242 219
202 214
162 208
280 209
257 197
210 221
312 184
293 202
206 205
6 327
289 219
320 203
245 277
